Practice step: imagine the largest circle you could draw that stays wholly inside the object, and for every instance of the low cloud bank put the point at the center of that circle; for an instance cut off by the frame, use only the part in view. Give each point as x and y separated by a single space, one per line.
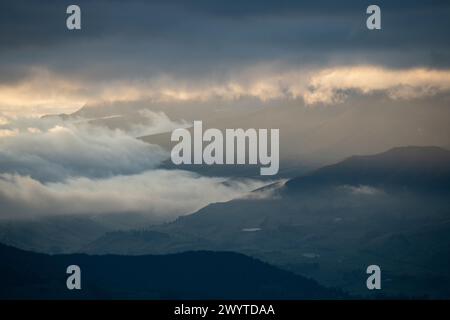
53 167
67 150
165 194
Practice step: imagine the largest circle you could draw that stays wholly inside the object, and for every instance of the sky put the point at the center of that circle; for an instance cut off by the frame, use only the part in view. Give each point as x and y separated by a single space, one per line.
340 89
204 50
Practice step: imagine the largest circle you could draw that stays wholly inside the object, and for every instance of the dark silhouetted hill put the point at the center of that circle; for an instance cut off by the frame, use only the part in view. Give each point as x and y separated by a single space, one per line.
389 209
190 275
412 168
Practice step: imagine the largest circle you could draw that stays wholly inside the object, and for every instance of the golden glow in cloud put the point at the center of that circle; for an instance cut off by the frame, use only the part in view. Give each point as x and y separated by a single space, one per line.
43 92
40 93
399 84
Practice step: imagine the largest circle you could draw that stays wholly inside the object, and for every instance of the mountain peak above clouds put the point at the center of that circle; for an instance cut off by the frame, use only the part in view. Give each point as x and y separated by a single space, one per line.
410 166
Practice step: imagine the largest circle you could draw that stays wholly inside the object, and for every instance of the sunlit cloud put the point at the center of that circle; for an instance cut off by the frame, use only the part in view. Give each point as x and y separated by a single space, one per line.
8 133
44 92
39 93
327 85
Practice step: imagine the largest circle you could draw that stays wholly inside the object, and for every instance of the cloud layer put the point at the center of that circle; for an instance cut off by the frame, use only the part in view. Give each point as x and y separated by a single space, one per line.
163 194
282 51
197 50
261 82
53 167
68 150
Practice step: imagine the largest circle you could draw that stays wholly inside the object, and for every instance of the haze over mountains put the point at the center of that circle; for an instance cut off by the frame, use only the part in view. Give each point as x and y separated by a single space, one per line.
309 137
328 224
105 185
389 209
408 168
86 118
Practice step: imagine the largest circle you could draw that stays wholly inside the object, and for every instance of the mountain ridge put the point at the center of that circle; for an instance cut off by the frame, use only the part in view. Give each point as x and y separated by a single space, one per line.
188 275
329 228
411 165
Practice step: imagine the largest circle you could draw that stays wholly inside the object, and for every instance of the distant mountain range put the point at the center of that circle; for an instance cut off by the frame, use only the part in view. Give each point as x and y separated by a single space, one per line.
424 168
389 209
189 275
66 233
309 137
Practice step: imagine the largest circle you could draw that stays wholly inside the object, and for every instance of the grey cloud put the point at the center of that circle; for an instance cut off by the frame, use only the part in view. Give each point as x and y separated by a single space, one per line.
53 167
137 39
162 194
50 150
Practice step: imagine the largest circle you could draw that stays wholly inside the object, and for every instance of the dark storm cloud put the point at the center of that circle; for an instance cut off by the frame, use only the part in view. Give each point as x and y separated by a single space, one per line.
207 39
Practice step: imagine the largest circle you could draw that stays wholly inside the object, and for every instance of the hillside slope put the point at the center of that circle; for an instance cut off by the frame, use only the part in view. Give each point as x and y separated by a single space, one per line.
190 275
